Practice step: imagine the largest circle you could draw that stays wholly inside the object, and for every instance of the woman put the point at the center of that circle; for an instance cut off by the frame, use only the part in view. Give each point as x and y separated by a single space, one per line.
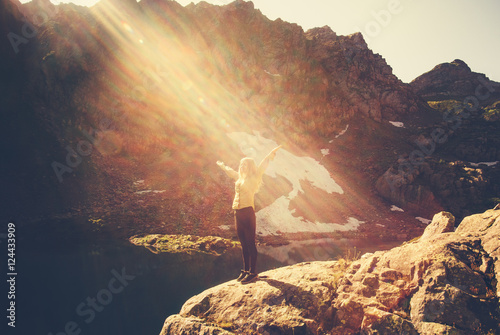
247 182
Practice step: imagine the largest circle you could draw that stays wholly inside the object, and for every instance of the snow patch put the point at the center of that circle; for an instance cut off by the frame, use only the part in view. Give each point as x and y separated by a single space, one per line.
397 124
277 217
144 192
485 163
286 164
395 208
272 74
341 133
150 191
423 220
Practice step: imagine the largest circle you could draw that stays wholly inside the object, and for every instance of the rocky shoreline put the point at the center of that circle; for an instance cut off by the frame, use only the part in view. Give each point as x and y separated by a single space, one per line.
445 282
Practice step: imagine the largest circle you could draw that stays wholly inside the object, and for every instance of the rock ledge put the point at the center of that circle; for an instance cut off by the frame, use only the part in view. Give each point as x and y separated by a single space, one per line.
443 283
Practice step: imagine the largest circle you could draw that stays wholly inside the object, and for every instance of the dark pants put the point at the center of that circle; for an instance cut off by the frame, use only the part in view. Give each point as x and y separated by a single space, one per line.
245 228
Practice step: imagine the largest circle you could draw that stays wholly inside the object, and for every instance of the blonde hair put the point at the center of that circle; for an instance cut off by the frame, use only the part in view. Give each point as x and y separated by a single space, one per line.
251 172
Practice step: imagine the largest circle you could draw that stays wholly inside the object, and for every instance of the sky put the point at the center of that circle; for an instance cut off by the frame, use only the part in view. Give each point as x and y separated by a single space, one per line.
412 35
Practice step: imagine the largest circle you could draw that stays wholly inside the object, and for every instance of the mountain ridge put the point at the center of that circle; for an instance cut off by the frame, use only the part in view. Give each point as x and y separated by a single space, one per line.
186 76
455 80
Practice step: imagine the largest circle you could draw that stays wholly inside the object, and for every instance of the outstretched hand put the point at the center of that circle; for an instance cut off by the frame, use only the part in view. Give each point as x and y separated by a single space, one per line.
221 164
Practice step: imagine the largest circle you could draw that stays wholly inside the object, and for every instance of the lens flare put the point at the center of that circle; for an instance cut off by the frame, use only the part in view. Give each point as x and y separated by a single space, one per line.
171 95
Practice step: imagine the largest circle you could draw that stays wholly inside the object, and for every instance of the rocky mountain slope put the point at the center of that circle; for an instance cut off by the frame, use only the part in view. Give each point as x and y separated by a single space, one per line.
118 112
445 282
457 81
455 159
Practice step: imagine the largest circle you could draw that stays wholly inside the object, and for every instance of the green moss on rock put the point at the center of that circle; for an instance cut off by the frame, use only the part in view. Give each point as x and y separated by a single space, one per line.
158 243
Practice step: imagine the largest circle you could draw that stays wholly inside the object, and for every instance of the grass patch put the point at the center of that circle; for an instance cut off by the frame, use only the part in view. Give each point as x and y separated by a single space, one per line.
343 262
491 114
446 105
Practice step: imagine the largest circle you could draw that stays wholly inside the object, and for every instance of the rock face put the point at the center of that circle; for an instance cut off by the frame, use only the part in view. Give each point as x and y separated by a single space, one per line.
303 79
446 169
454 80
443 283
348 61
438 184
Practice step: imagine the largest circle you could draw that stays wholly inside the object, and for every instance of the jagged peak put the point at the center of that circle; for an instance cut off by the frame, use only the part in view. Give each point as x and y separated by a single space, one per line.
322 30
324 33
238 6
242 5
358 39
453 80
454 66
461 63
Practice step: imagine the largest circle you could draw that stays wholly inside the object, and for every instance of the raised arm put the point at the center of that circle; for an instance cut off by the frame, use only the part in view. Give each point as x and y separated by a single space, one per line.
230 172
265 162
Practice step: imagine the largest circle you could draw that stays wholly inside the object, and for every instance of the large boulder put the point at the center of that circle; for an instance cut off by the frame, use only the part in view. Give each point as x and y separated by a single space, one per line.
443 283
442 222
283 301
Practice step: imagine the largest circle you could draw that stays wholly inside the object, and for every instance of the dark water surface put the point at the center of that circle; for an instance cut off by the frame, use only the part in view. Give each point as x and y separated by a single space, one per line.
108 286
85 284
116 288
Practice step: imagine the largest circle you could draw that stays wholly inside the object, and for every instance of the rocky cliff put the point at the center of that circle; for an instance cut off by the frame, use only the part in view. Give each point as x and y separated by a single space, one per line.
455 158
445 282
457 81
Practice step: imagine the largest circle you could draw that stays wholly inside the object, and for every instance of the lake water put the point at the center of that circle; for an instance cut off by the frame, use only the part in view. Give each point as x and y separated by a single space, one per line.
113 287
